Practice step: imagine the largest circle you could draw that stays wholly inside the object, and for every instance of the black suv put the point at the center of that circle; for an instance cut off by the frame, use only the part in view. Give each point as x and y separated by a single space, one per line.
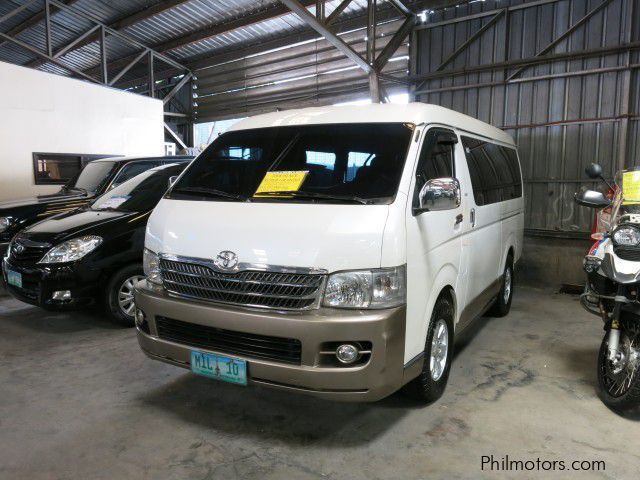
96 178
90 255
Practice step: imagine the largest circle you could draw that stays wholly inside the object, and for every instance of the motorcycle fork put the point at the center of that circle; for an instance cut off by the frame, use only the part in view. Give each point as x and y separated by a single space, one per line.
614 330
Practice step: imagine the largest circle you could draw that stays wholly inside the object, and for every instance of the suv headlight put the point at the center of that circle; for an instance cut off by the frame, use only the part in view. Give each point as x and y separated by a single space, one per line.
380 288
5 223
627 236
151 266
72 250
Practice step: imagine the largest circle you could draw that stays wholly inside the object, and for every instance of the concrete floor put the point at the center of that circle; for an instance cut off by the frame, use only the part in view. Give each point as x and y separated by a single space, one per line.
79 400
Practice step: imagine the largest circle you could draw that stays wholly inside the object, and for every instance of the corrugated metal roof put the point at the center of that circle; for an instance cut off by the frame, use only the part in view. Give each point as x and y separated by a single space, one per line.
183 19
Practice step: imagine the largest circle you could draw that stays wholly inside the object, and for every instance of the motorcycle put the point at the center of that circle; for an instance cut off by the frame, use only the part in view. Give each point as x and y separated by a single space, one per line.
612 267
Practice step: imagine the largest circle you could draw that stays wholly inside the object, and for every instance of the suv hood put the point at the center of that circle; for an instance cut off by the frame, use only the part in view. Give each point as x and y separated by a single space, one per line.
331 237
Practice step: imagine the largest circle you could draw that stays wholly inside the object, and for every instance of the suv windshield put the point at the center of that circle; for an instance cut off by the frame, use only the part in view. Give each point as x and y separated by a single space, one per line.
342 163
93 176
139 194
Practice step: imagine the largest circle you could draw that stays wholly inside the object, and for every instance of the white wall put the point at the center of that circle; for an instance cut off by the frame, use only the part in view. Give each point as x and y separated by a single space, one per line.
40 112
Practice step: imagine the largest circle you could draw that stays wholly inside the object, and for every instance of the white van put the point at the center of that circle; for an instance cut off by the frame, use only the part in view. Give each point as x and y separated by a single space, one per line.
333 251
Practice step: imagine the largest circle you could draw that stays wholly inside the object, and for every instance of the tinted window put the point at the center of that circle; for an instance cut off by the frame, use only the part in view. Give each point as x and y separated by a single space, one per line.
59 168
130 170
363 160
494 171
138 194
94 176
436 158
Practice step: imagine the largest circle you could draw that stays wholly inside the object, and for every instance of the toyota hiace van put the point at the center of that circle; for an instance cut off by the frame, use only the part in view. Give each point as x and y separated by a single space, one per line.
334 251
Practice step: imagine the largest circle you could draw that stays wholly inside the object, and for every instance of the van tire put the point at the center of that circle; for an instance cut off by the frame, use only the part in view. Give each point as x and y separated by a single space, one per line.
424 387
502 305
112 293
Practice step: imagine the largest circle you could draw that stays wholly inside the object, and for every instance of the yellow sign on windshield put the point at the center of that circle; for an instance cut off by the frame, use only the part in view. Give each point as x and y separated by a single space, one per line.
287 181
631 187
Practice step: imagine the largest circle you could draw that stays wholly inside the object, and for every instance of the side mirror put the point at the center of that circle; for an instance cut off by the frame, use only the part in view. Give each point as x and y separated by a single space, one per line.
438 194
172 180
594 171
592 199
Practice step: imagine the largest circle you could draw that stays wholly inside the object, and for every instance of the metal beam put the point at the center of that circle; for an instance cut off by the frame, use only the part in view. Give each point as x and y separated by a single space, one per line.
146 13
175 89
336 12
16 11
152 78
75 42
130 65
371 33
55 61
320 14
331 37
103 55
395 42
568 32
174 135
470 40
401 7
47 28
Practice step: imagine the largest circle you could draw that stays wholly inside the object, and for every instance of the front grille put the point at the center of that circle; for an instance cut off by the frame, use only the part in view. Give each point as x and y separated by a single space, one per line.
26 251
280 349
627 253
266 289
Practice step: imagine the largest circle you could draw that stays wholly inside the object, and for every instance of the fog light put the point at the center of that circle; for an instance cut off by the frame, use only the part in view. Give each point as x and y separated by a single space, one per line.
591 263
140 318
347 353
61 295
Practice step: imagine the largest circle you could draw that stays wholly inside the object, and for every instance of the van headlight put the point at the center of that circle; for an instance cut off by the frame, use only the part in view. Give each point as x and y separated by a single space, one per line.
151 266
5 223
72 250
380 288
627 236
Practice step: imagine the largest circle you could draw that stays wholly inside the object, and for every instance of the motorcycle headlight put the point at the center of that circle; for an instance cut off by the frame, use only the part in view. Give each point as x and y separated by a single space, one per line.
5 223
380 288
151 266
627 236
72 250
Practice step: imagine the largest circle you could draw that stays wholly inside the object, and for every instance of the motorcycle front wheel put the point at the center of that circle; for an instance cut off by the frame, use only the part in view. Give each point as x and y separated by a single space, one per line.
619 380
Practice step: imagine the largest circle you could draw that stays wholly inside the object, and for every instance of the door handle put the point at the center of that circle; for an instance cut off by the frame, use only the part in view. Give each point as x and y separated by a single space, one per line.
473 217
459 218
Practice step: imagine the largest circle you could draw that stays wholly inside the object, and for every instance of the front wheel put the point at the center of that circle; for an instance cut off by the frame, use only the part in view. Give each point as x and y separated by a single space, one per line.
119 295
619 380
438 352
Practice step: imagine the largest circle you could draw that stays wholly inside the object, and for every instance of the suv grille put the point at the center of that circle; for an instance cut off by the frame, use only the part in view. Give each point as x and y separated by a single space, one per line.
287 350
293 291
27 251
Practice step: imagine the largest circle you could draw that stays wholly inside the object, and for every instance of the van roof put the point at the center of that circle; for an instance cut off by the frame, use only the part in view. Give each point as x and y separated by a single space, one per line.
415 113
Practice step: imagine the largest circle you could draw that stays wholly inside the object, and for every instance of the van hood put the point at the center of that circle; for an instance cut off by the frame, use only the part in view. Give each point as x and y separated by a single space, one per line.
330 237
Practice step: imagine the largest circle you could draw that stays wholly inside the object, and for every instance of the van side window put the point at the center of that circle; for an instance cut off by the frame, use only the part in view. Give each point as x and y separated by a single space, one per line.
436 158
494 171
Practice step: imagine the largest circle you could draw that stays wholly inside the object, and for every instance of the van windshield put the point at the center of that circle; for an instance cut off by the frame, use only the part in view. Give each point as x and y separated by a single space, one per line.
335 163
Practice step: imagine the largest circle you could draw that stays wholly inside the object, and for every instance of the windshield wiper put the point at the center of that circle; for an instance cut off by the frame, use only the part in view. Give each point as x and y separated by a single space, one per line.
209 192
314 195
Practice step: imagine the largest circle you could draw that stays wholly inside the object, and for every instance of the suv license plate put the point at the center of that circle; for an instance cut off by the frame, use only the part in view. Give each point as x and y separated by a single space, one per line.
14 278
227 369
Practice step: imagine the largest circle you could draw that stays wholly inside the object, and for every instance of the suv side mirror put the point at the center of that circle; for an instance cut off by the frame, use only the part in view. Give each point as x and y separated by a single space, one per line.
592 199
438 194
594 171
172 180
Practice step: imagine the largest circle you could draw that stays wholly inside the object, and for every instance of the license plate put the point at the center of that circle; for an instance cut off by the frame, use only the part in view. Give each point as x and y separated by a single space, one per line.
14 278
223 368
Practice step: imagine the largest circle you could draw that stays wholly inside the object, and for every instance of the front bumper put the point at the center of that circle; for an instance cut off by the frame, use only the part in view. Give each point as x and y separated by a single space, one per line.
381 375
40 281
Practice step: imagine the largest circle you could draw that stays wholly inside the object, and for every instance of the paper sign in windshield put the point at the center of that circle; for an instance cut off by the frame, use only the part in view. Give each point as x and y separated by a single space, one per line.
113 202
285 181
631 187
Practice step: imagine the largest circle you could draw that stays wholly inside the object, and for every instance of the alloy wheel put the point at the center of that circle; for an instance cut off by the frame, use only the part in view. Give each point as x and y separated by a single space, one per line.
439 350
125 295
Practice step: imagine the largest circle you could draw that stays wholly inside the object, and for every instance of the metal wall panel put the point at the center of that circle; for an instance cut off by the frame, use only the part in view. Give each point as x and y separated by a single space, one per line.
564 114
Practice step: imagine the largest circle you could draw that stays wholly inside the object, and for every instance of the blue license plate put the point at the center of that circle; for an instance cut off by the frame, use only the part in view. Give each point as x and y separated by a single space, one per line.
223 368
14 278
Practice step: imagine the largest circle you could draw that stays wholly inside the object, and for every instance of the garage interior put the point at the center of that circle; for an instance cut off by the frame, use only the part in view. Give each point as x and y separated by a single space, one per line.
79 398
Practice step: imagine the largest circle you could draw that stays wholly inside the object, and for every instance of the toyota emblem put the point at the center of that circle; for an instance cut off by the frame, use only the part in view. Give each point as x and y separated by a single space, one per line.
226 260
19 248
